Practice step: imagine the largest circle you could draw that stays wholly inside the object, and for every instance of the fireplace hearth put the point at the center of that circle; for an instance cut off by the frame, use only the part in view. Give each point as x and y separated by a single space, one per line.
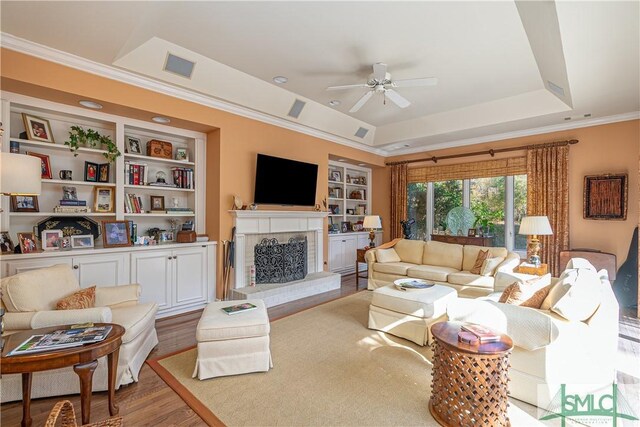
277 262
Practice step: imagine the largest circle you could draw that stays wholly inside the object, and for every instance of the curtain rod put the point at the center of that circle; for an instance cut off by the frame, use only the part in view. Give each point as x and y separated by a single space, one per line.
491 152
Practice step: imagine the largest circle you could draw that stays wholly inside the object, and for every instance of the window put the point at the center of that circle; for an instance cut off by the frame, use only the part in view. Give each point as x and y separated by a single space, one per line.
446 196
417 209
498 202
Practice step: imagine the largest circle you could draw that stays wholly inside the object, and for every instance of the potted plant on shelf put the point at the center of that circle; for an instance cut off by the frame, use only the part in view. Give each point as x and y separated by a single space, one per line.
91 138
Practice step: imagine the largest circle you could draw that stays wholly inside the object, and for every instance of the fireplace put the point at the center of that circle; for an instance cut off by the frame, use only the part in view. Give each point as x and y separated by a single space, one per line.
277 262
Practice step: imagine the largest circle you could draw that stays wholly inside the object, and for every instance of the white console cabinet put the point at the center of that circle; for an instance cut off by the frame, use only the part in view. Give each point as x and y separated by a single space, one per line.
178 277
342 250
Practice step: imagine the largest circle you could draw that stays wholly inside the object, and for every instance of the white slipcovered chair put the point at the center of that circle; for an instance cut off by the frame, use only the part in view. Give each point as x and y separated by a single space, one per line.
30 299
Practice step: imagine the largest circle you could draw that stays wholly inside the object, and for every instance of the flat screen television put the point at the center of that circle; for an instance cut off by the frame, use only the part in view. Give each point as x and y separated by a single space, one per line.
285 182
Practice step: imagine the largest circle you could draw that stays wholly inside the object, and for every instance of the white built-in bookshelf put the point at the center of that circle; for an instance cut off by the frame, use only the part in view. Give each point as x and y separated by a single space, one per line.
349 190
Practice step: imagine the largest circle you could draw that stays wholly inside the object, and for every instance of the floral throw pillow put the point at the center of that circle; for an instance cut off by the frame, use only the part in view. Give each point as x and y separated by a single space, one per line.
84 298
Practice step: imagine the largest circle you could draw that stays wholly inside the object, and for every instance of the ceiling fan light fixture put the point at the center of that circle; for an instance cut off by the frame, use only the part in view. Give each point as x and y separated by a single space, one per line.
280 80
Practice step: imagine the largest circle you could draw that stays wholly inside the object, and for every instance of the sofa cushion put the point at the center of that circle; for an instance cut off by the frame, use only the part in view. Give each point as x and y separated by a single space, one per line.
510 263
490 265
38 290
387 255
216 325
424 303
135 319
467 278
443 254
393 267
470 254
480 259
581 296
410 250
430 272
83 298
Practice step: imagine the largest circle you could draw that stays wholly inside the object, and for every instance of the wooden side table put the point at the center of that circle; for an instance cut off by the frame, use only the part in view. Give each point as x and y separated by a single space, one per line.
84 360
360 258
527 268
469 381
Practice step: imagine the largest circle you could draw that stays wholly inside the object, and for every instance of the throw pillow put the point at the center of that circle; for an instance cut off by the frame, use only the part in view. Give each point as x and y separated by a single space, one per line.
477 267
530 293
535 301
489 266
387 255
84 298
582 298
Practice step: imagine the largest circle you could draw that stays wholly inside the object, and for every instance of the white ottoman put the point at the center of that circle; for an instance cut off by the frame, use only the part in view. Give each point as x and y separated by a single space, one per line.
409 314
232 344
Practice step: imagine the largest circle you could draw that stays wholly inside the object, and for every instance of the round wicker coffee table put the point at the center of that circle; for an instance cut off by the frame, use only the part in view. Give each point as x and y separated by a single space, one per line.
469 385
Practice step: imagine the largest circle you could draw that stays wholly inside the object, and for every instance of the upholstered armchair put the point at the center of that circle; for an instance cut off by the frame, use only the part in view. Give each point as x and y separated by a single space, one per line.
30 299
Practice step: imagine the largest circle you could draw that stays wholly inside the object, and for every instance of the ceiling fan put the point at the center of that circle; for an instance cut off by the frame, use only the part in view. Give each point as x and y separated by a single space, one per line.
380 82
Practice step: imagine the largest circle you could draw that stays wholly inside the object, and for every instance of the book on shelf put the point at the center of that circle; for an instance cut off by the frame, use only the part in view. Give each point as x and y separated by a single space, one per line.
183 177
61 339
133 204
174 209
483 333
239 308
71 209
73 202
162 184
136 173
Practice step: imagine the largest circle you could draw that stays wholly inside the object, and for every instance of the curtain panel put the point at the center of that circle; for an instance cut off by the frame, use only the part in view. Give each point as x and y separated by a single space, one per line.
548 194
481 169
398 198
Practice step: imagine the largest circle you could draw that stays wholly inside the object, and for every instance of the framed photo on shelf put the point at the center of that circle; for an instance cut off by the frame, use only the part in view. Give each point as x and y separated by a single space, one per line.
335 176
45 164
471 232
24 204
104 199
6 244
182 154
90 172
69 193
82 242
115 234
157 203
37 129
334 209
27 242
51 240
132 145
350 212
103 172
345 226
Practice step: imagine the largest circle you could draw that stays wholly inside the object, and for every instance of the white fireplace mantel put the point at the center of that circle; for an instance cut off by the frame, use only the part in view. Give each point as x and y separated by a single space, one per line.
266 222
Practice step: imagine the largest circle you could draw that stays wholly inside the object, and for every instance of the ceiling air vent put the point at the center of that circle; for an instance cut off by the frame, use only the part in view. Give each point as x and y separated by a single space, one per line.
180 66
296 109
555 88
361 132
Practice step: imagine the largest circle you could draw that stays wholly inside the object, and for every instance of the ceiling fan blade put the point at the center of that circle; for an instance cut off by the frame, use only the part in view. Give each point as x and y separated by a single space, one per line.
347 86
397 99
361 102
427 81
379 71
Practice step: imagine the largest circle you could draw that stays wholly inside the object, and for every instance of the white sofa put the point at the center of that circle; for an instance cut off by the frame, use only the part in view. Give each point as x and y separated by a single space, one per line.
442 263
30 298
550 350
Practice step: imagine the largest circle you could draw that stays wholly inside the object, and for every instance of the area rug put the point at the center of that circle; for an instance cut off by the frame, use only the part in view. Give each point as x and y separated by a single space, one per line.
329 369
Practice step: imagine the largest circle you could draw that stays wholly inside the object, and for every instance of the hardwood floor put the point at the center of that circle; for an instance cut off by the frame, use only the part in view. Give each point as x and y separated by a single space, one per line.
150 402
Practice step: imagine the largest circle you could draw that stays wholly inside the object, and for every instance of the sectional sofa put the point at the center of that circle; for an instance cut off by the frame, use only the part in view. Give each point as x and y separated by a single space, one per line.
443 263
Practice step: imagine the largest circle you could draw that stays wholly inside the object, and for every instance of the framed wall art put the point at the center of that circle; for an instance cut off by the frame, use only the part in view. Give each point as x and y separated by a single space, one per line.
606 196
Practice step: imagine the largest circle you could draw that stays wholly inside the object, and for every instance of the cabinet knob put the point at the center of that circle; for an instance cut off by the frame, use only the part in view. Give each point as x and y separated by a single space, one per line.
75 267
175 257
170 257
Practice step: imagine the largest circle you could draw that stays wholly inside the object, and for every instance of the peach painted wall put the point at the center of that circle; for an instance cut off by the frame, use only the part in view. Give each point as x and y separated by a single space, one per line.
611 148
233 141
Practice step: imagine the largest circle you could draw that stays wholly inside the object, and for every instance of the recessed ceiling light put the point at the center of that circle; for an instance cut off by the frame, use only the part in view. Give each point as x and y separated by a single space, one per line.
334 103
280 79
341 160
159 119
362 164
90 104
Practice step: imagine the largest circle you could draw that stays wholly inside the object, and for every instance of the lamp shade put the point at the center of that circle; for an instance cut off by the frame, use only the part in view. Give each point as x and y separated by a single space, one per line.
538 225
20 174
372 221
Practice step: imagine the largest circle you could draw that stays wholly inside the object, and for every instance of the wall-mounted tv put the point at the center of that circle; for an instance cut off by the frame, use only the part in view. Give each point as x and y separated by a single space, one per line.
285 182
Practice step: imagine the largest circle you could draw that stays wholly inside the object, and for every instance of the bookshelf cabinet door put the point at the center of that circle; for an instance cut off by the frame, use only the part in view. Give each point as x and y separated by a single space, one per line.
190 266
102 270
153 270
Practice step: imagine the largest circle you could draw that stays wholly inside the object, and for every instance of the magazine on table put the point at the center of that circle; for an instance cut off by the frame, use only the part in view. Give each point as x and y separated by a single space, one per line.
239 308
483 333
61 339
415 284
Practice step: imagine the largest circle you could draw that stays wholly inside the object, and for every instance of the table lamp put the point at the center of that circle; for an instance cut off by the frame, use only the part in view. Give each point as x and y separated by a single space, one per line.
20 175
534 226
372 222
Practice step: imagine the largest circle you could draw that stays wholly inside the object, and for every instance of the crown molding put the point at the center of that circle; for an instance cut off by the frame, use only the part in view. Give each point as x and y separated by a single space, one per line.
597 121
66 59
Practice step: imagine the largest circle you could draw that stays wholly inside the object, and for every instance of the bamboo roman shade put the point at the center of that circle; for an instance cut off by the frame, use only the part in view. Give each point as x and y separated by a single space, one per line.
482 169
